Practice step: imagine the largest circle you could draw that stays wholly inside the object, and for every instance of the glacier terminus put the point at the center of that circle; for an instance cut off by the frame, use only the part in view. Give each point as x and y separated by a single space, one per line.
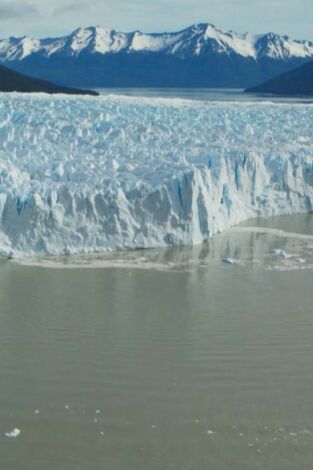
84 174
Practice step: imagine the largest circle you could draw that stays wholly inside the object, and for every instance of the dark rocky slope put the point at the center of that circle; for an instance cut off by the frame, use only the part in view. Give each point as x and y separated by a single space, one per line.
13 81
296 82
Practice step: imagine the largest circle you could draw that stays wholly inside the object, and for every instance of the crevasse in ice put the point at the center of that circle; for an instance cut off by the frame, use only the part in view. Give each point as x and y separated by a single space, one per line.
82 174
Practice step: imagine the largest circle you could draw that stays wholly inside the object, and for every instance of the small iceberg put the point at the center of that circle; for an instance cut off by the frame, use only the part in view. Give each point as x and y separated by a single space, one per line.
284 254
229 261
12 434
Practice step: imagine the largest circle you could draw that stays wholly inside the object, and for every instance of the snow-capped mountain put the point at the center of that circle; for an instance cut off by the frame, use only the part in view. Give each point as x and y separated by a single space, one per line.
201 55
196 40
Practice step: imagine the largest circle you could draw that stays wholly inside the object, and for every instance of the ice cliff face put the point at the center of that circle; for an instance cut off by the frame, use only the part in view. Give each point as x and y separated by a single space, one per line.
85 174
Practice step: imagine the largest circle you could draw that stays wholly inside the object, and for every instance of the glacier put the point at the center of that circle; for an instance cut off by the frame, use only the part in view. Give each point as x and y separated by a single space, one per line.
84 174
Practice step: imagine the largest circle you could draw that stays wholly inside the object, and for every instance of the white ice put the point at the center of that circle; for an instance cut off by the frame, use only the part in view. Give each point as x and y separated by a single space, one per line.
12 434
96 174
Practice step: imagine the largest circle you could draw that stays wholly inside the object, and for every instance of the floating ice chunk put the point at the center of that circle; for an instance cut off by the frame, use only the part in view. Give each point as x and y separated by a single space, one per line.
209 431
305 431
281 253
14 433
285 255
36 412
229 261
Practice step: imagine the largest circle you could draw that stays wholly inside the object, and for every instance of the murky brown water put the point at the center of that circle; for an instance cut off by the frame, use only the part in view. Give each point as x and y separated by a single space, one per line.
163 360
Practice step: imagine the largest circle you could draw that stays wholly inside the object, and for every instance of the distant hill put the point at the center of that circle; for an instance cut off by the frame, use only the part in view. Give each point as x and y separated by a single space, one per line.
14 81
198 56
296 82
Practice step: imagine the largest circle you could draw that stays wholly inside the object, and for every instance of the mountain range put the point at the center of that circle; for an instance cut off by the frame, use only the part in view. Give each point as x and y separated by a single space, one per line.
199 56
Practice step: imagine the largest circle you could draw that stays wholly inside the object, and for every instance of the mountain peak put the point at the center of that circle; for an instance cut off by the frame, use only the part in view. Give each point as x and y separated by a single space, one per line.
200 39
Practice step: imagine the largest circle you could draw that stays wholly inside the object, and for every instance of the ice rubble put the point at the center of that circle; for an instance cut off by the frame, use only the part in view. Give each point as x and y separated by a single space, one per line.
79 174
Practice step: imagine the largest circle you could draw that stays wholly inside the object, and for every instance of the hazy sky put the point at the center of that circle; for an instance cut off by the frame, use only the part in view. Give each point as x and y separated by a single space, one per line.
55 17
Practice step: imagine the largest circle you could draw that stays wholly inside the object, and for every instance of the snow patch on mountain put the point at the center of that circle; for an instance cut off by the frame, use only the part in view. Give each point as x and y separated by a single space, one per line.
96 39
152 42
282 47
79 174
81 39
109 41
243 45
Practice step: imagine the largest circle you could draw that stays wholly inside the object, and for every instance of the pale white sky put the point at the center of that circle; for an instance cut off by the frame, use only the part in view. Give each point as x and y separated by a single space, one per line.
56 17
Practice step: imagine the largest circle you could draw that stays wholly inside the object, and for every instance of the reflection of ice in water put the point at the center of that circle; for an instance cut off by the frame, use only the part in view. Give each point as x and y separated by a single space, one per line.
253 247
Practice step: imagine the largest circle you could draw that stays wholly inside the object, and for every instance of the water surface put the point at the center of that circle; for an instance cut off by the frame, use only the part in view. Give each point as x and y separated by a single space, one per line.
165 359
203 94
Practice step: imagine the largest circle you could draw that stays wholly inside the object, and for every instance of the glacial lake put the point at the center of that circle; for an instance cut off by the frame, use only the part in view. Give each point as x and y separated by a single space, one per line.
184 358
202 94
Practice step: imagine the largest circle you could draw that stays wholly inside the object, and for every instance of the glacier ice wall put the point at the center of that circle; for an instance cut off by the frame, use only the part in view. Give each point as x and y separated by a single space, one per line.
82 174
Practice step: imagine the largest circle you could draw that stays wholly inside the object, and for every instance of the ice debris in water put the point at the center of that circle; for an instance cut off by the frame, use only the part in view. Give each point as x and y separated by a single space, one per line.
284 254
229 261
85 175
289 256
12 434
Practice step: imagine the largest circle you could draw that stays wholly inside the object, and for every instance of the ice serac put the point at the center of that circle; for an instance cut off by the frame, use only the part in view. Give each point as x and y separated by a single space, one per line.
84 174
